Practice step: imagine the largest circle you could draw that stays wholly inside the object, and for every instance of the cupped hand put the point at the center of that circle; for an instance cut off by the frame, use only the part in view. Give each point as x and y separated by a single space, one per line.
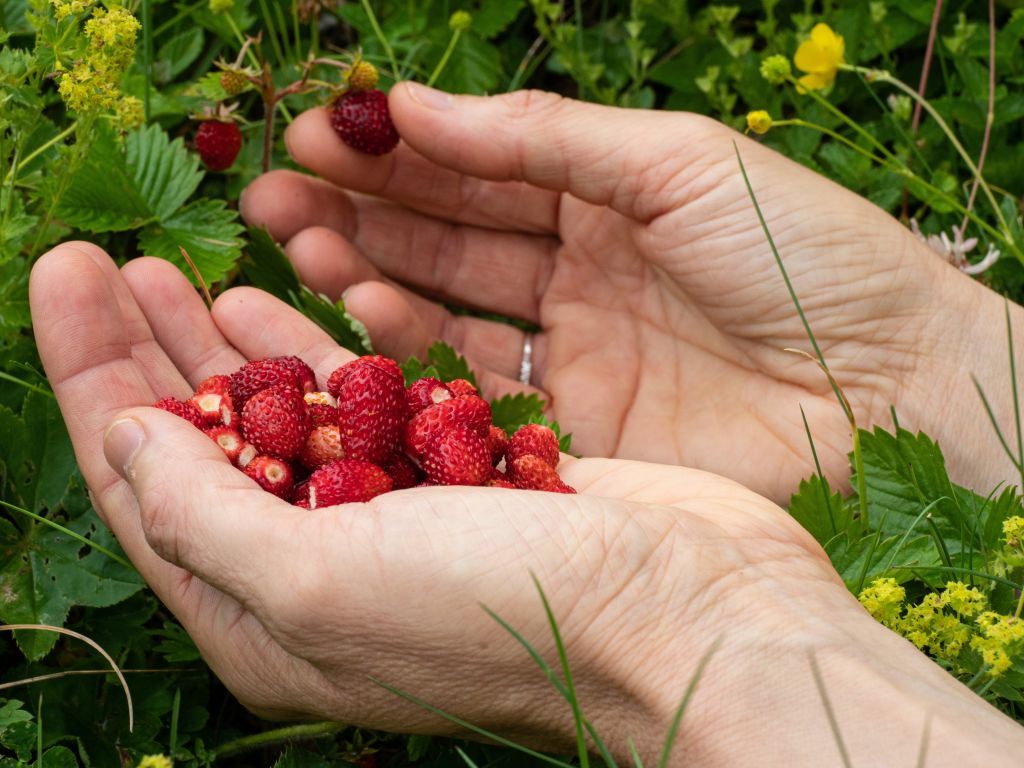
629 237
297 610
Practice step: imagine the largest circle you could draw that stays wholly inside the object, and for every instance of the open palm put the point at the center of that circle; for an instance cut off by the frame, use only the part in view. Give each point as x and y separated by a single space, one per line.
629 238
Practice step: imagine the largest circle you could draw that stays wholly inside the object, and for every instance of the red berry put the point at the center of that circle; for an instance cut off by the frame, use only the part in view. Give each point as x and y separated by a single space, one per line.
276 422
218 144
185 410
402 471
216 409
371 406
533 473
457 457
233 444
498 480
300 494
497 444
322 447
257 375
363 121
471 411
534 440
220 384
344 481
272 474
322 415
425 392
462 387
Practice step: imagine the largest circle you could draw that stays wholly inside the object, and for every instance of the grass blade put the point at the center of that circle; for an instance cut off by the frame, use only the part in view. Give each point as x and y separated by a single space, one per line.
68 532
469 726
817 468
466 758
995 424
910 530
922 752
570 690
1016 397
637 762
673 729
833 723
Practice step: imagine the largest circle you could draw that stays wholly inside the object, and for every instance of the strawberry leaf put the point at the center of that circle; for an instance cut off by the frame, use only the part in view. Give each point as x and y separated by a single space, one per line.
513 411
415 369
449 364
207 230
165 173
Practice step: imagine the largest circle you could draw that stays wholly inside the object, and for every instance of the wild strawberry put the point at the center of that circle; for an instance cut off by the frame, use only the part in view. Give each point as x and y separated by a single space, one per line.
320 398
257 375
272 474
218 144
322 447
461 388
363 76
233 444
216 409
363 121
344 481
371 406
276 422
185 410
219 384
402 471
425 392
457 457
301 503
497 444
322 407
533 473
534 440
233 81
498 480
300 494
471 411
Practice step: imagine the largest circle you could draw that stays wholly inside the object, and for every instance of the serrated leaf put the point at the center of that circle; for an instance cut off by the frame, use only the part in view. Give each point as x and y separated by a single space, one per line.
820 510
207 229
102 195
11 713
37 454
266 266
165 173
175 645
415 369
449 363
850 556
332 317
510 412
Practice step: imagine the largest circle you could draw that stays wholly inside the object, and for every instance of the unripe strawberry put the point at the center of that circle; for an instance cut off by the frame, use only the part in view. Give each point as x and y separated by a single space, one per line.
218 144
363 76
233 82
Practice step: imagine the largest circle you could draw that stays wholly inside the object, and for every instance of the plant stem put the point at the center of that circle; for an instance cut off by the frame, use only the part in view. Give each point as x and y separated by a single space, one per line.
147 55
277 736
382 39
830 107
40 149
990 114
926 65
241 39
444 59
837 136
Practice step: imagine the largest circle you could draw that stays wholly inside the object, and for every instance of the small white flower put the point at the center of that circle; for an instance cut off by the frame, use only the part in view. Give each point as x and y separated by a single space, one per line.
955 249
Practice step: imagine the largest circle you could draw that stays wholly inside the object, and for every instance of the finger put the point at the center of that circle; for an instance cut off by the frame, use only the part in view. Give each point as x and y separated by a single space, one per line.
406 177
180 321
197 511
622 158
502 272
260 325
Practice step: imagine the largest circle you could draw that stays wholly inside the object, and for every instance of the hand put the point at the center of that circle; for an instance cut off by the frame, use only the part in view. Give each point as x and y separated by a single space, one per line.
629 237
645 568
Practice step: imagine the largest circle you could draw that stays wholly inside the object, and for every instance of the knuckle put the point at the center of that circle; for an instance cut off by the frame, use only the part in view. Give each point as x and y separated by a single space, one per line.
532 104
161 520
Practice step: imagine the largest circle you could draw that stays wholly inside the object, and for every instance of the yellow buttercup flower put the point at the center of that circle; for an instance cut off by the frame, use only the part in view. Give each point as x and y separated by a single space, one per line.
155 761
819 57
759 121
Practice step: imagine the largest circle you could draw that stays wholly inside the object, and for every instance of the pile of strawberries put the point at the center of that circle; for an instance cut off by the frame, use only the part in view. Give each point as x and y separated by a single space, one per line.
367 434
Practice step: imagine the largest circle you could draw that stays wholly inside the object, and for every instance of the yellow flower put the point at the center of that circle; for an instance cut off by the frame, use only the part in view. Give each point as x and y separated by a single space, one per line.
155 761
759 121
1001 638
966 601
130 113
64 8
775 69
819 57
883 598
1013 530
460 21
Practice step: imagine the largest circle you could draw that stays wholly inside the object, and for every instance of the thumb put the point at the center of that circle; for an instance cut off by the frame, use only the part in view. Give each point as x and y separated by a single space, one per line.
195 509
623 158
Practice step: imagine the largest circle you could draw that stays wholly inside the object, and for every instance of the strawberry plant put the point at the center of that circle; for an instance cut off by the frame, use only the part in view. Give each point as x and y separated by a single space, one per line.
136 126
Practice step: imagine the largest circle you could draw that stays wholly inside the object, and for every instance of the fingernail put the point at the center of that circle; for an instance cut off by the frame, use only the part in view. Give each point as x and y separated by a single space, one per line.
431 98
120 445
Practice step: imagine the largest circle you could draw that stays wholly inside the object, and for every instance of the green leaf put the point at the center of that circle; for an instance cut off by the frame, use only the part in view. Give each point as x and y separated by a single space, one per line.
266 266
820 510
165 173
415 369
207 229
474 66
57 757
11 713
37 454
868 557
177 54
449 363
332 317
510 412
494 16
102 195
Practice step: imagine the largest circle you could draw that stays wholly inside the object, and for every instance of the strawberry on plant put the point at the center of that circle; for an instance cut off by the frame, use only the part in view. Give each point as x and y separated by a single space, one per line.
275 420
534 440
362 76
371 406
345 481
363 121
185 410
272 474
425 392
218 143
458 456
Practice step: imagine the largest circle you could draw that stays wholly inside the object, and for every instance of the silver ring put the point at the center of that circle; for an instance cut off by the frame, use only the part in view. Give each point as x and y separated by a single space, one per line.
526 366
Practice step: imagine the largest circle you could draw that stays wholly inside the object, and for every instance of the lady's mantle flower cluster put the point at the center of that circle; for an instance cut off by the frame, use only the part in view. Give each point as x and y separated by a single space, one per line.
92 84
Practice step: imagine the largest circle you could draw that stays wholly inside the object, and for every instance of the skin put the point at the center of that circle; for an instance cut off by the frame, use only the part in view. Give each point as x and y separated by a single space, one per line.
629 237
649 568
